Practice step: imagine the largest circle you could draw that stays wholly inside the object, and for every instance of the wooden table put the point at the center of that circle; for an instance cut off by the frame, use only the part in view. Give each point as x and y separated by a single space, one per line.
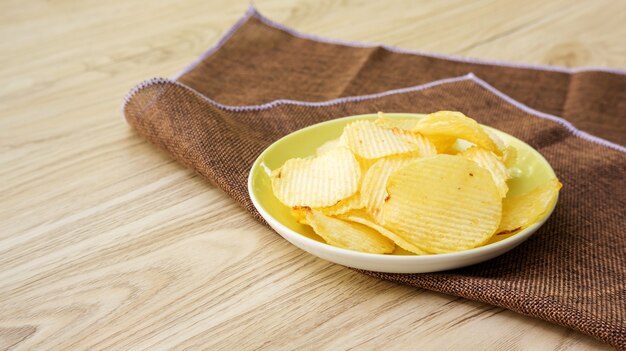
106 243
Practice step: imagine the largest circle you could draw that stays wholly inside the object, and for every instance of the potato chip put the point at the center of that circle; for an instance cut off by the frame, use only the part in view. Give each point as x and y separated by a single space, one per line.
369 141
457 125
423 147
374 184
362 217
348 235
400 123
509 156
329 145
443 144
489 161
402 252
366 164
317 182
411 186
520 211
442 204
499 237
500 144
299 213
343 206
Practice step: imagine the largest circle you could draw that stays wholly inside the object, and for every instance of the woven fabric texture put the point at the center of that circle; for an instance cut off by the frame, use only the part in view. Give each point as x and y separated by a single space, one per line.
571 272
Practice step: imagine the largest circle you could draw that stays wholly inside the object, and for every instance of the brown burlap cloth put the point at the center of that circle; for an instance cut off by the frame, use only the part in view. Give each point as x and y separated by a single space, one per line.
571 272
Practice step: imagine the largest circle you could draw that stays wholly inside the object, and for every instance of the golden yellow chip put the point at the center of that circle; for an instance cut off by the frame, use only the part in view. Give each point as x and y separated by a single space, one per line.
499 237
343 206
400 123
365 164
359 216
424 186
492 163
443 144
374 184
369 141
299 213
327 146
317 182
500 144
456 125
422 146
348 235
509 156
442 204
520 211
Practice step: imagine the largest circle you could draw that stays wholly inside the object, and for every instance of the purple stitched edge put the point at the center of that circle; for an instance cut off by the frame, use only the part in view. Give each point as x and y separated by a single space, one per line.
570 127
253 12
240 22
271 104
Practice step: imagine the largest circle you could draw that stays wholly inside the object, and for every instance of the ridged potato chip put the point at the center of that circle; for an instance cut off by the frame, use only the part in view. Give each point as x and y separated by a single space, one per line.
400 123
369 141
520 211
317 182
329 145
360 216
423 147
374 183
442 144
411 186
348 235
343 206
492 163
442 204
457 125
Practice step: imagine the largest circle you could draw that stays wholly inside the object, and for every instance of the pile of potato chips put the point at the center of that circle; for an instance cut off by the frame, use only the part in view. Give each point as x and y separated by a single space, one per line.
431 185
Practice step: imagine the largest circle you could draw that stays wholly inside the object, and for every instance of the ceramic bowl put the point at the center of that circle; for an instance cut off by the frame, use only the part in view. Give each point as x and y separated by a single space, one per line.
533 169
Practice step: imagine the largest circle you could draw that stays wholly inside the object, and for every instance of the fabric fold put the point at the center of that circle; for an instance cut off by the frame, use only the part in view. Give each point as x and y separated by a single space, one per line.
286 64
264 80
571 272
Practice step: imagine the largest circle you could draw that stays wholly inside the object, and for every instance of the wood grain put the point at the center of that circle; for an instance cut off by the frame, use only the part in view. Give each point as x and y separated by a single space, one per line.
106 243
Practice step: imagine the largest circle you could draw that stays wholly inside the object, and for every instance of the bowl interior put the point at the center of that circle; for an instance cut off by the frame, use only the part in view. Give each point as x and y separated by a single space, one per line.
534 169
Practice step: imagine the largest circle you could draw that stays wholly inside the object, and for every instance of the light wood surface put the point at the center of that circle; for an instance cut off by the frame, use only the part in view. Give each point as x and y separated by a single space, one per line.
106 243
